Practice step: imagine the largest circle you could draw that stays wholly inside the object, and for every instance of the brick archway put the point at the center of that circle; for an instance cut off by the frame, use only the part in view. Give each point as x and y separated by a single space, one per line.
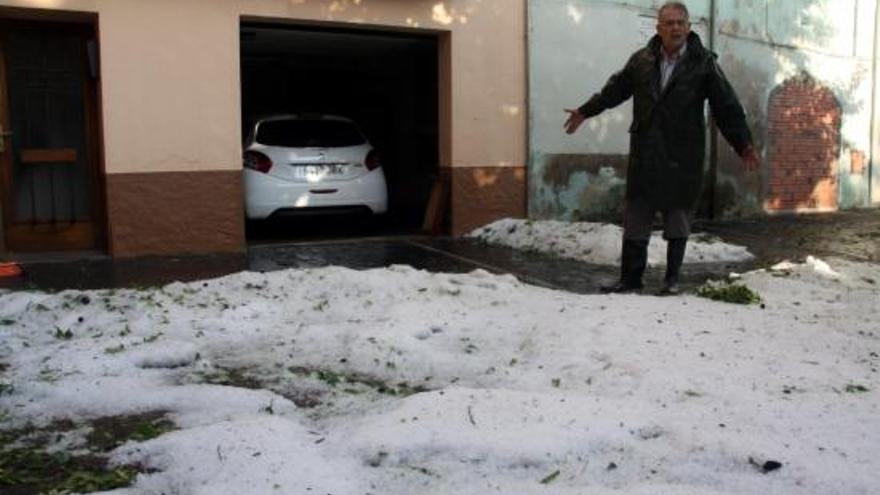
804 146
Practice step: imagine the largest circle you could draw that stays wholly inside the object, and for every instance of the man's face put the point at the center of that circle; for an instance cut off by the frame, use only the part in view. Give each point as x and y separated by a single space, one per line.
673 28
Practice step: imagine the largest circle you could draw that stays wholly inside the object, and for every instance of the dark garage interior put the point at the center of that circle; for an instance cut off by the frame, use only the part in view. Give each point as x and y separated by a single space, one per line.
386 82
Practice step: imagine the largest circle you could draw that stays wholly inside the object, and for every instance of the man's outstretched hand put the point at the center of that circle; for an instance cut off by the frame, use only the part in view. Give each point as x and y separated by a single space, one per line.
750 159
575 119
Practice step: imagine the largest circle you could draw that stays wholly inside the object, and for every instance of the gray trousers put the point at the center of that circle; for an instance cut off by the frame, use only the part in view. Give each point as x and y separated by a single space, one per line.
638 218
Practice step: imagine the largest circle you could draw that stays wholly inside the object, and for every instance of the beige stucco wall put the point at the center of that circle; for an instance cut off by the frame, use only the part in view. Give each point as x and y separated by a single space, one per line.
170 74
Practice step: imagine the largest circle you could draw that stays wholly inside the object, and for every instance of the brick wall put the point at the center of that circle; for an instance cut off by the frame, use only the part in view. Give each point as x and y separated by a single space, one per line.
804 147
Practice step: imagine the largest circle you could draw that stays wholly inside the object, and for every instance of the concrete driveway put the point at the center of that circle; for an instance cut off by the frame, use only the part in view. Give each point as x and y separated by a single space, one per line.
853 235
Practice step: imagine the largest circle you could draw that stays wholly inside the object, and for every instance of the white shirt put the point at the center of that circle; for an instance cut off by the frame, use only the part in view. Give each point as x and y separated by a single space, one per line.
668 63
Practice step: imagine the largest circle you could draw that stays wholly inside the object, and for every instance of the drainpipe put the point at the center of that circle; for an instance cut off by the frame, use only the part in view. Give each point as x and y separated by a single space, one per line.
873 173
713 130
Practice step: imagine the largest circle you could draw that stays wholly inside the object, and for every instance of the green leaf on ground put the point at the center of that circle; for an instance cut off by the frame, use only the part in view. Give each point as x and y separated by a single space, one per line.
550 477
730 293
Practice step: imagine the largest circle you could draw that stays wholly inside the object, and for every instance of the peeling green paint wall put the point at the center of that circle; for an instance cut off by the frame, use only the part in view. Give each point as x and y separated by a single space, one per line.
578 186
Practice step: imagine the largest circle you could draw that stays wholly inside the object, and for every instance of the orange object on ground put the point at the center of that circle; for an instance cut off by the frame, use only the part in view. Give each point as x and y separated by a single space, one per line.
10 270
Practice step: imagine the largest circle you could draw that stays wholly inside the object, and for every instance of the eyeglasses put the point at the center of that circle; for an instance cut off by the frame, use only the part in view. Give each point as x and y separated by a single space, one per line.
674 23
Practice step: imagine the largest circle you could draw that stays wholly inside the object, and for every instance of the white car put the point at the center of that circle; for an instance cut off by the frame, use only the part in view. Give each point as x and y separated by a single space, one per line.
311 164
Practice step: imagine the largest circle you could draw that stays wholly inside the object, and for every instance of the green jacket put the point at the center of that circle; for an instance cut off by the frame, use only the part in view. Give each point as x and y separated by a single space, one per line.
668 131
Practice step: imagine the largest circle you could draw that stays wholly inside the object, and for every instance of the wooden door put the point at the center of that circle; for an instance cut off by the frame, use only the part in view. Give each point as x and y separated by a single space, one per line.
50 168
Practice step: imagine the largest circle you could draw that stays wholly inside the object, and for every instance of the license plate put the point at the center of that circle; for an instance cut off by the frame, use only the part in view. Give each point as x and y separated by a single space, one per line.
313 172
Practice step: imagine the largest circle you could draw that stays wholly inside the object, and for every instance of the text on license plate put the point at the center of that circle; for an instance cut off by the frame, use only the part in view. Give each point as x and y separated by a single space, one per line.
318 171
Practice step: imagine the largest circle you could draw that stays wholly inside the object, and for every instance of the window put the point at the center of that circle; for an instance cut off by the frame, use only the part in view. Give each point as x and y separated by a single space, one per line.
297 133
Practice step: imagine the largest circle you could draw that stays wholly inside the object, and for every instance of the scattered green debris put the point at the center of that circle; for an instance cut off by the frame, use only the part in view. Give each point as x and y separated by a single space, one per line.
6 389
231 377
35 471
329 377
692 393
112 431
334 378
853 388
730 293
148 431
49 375
114 349
423 470
402 389
30 466
550 477
7 322
87 481
62 334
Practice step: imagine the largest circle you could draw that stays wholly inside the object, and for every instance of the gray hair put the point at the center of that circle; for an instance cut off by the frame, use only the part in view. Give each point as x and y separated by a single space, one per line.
674 5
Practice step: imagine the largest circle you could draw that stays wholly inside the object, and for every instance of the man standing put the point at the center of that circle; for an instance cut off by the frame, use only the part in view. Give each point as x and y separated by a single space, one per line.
670 79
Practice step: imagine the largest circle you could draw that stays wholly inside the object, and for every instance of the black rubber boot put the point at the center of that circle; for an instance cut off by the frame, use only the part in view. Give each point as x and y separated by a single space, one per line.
633 260
675 249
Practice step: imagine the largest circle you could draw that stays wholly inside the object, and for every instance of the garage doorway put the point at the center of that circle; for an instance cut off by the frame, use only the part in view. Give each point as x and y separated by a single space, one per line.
387 82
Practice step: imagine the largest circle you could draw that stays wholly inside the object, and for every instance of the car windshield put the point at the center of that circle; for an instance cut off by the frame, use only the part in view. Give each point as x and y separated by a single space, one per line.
298 133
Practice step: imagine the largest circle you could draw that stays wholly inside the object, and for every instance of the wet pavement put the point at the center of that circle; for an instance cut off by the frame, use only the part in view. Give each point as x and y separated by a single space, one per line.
853 235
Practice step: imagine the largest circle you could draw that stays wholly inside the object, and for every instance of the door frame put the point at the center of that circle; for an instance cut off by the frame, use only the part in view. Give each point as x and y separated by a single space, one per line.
87 24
